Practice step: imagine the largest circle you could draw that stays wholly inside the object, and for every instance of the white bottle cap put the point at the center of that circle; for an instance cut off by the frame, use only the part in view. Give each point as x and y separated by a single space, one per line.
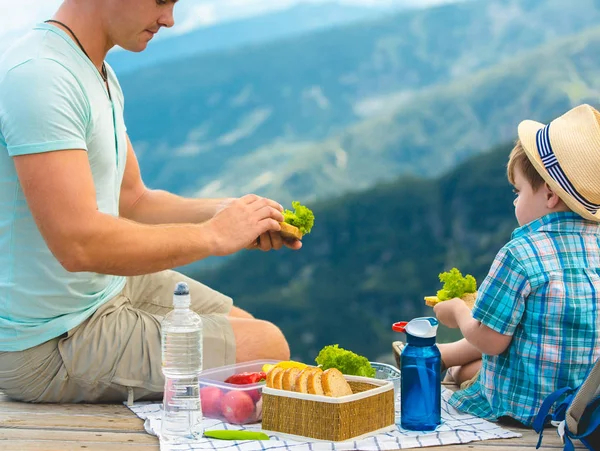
422 327
181 295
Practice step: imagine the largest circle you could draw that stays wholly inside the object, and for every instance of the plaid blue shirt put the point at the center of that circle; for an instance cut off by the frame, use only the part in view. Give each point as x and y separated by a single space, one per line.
543 289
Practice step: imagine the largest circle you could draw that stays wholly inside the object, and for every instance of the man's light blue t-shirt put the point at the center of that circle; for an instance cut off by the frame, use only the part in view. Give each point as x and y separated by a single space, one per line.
52 98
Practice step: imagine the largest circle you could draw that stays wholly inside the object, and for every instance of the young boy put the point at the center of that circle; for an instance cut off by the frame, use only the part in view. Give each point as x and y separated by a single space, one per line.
535 326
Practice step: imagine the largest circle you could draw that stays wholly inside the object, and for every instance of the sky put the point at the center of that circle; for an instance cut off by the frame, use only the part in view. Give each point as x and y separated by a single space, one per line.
18 16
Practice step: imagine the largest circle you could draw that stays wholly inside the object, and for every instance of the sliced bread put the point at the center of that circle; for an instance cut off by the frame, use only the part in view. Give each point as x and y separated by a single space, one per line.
301 385
334 384
271 376
289 378
468 298
290 232
278 379
314 382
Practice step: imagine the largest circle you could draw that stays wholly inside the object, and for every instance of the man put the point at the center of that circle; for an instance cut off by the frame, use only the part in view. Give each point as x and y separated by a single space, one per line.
84 245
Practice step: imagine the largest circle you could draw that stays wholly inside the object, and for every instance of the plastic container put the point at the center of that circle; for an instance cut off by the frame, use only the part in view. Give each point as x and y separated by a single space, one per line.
386 372
235 404
181 334
420 364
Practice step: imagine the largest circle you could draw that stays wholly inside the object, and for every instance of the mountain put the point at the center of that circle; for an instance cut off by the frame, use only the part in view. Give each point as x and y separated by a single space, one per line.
428 132
373 255
296 20
338 110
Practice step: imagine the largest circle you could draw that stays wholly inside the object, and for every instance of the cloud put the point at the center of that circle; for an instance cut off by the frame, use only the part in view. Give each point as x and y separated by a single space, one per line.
203 14
208 12
17 16
411 3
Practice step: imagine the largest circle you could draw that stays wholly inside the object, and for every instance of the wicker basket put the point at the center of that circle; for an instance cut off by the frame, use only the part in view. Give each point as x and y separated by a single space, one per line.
370 409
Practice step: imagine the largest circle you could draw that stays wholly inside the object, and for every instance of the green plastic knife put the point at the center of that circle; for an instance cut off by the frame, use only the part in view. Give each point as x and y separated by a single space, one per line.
236 435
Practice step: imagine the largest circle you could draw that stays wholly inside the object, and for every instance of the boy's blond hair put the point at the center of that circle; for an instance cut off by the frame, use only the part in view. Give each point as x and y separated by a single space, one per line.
518 159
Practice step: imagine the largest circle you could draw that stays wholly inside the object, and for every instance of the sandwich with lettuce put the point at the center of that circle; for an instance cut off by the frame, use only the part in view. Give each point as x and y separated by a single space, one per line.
455 286
297 223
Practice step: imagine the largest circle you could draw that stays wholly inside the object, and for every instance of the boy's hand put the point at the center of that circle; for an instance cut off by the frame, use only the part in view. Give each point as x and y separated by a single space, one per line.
448 312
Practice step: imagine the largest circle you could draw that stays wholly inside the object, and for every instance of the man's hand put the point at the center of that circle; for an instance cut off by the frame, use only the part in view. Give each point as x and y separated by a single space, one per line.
274 240
448 312
242 221
268 240
223 204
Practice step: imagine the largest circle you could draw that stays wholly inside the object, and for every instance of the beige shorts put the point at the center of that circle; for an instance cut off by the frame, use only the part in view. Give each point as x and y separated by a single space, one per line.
115 355
467 384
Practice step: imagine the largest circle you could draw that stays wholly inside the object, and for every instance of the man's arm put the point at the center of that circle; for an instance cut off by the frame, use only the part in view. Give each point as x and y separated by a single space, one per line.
148 206
60 192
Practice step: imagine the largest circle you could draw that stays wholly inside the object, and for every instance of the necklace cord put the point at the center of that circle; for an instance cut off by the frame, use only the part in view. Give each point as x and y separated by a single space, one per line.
103 72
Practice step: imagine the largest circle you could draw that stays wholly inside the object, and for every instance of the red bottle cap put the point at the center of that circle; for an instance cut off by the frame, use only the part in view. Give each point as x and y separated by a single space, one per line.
400 327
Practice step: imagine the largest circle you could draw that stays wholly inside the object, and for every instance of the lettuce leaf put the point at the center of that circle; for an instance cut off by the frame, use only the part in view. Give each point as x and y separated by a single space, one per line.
455 285
302 217
347 362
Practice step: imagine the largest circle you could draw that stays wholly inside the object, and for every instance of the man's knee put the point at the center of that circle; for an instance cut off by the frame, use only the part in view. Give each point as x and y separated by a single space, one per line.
257 339
277 341
237 312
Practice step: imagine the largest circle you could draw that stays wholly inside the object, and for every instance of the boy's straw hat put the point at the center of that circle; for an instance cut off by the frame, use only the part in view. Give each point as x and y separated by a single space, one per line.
566 153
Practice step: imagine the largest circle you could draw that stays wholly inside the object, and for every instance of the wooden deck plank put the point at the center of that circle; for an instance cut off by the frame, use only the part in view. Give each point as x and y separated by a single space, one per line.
72 422
69 440
108 410
67 427
64 437
38 445
528 439
38 434
43 445
143 437
472 446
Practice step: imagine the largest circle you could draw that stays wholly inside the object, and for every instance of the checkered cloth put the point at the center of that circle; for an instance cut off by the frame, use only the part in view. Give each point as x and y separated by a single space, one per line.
543 289
456 428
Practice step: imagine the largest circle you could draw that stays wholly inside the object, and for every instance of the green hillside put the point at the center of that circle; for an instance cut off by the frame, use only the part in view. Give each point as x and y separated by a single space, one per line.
297 117
431 131
373 255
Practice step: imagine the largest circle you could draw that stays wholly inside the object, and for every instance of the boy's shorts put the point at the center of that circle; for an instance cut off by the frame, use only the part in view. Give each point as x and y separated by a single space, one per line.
467 384
115 355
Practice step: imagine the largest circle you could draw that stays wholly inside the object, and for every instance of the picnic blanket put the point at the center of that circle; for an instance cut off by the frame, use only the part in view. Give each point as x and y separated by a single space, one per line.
455 428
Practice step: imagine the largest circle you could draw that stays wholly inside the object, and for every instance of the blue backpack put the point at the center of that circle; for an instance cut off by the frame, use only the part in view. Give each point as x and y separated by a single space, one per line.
577 416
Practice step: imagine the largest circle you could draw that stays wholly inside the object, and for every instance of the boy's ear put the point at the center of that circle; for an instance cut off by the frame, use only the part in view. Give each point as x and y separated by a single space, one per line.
552 199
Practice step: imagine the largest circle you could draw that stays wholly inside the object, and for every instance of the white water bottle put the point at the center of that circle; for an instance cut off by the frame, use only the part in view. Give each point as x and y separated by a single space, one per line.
181 332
